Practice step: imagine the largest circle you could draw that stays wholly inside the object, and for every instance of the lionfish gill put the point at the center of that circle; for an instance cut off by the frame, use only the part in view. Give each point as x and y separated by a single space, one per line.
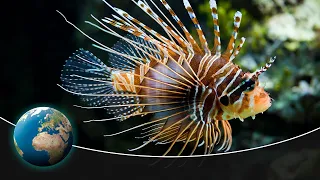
190 91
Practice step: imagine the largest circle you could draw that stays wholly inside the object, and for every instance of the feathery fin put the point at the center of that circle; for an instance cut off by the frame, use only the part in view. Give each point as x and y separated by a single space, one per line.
84 73
182 26
197 26
236 26
217 42
123 47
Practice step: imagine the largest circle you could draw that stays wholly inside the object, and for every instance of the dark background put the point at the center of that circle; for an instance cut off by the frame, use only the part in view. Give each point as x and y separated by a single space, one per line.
37 41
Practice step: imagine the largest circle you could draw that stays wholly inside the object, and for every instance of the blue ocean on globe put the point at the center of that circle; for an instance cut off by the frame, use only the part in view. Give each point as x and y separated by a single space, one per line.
43 136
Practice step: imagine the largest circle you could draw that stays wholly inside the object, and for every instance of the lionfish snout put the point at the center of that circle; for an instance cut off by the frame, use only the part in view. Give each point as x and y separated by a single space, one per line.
248 104
247 98
258 101
261 99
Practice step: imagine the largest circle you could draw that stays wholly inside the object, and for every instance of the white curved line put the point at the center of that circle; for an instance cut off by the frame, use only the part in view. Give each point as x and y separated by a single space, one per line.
7 121
193 156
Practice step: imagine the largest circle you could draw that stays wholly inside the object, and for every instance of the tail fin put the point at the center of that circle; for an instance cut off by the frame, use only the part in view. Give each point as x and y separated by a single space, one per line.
87 76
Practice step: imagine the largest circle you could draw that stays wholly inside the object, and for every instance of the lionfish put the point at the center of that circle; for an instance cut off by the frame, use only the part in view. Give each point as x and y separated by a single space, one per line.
189 90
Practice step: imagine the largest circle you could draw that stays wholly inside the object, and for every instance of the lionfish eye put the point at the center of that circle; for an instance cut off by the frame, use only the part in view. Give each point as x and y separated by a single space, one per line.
248 85
224 100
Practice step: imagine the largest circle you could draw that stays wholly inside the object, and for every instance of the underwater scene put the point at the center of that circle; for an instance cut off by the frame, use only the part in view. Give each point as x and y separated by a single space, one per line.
286 29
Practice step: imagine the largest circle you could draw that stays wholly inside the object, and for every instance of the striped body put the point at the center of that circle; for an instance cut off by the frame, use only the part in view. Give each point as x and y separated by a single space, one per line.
190 91
222 77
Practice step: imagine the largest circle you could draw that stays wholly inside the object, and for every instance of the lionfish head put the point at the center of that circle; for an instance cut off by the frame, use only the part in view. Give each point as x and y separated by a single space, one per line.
248 98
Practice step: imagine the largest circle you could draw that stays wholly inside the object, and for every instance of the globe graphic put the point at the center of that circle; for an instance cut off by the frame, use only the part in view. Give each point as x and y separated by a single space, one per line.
43 136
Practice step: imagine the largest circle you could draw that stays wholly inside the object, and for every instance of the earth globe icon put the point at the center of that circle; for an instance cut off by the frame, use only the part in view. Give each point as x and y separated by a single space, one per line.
43 136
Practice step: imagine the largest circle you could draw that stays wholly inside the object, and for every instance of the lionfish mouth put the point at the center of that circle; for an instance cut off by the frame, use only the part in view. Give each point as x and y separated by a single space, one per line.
173 78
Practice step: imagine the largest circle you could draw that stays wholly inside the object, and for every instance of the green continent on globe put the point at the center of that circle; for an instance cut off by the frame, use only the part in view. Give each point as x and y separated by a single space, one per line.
43 136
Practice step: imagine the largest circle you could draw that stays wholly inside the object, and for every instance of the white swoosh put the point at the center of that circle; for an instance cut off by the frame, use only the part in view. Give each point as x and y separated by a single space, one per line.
193 156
